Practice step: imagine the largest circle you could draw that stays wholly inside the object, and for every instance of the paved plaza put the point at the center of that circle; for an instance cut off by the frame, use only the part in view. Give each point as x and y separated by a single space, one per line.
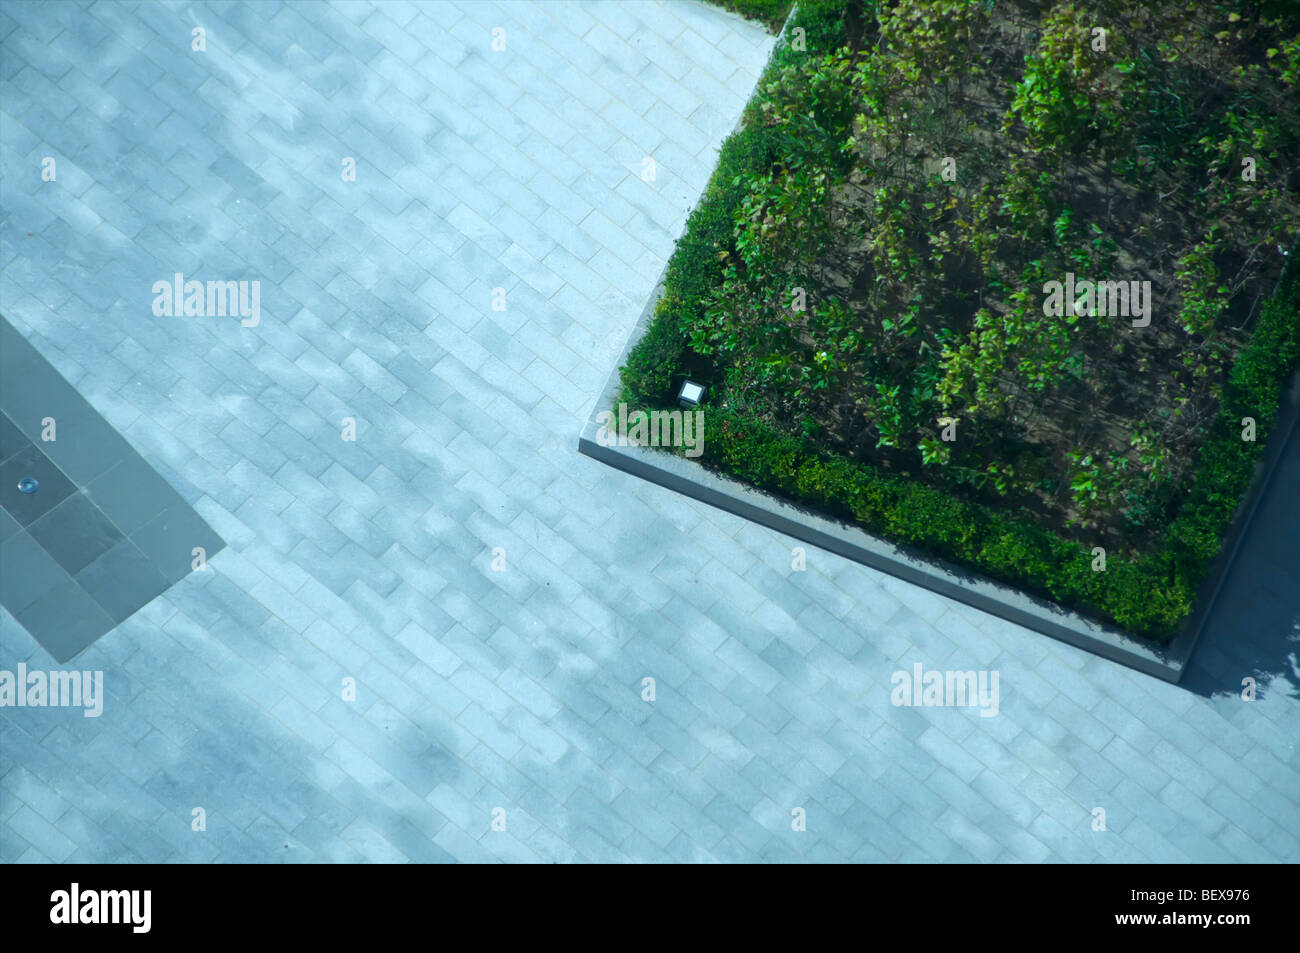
443 627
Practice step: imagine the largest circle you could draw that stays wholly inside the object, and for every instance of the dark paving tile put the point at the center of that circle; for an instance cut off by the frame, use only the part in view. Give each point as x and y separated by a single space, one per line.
69 572
19 363
8 525
65 620
75 533
169 541
27 572
87 445
132 494
31 390
122 580
54 486
11 438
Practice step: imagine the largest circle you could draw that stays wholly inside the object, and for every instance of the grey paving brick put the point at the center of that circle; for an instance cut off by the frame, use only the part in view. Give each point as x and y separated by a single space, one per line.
368 560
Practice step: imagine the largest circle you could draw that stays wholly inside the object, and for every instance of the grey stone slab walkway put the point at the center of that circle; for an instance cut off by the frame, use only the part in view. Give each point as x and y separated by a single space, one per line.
372 560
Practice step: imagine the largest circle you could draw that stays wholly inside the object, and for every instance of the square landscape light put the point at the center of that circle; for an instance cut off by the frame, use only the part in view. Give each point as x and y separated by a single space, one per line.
690 394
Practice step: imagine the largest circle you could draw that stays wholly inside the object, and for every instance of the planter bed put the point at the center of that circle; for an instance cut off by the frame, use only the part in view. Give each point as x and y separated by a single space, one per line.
866 290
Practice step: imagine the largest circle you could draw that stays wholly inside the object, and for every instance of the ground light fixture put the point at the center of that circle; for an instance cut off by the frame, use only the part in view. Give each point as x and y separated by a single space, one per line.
691 394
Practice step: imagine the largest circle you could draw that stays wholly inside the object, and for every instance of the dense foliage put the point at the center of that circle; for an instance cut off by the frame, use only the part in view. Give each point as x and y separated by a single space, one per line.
854 300
771 13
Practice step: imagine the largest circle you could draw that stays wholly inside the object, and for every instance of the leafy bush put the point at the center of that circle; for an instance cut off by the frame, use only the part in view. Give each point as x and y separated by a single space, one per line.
771 13
883 358
1149 595
695 270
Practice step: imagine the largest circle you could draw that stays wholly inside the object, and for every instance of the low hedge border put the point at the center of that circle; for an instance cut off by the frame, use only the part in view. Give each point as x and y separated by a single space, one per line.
694 269
1151 596
1154 596
770 13
1166 661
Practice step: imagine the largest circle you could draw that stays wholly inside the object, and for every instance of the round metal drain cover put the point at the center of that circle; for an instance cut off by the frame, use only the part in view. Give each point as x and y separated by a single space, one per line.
27 485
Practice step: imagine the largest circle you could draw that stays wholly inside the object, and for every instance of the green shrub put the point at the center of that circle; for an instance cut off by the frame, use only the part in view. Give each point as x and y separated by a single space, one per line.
647 376
1227 464
936 524
1149 594
771 13
694 270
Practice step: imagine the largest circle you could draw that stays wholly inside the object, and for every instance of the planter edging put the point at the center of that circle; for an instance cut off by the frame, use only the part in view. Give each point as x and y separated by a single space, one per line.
1167 662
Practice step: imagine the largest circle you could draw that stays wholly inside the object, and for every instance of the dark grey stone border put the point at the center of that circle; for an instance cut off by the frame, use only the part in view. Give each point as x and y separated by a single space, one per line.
110 535
1167 662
